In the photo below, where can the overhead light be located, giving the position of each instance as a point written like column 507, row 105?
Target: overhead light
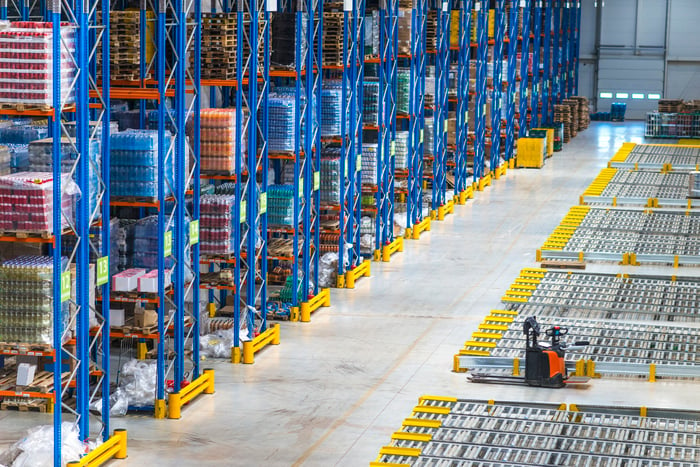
column 606, row 95
column 637, row 95
column 622, row 95
column 654, row 96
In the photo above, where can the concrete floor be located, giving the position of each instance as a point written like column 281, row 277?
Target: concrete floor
column 335, row 389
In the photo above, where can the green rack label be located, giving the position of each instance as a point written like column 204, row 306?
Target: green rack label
column 358, row 163
column 421, row 137
column 194, row 232
column 102, row 271
column 393, row 149
column 263, row 203
column 317, row 181
column 301, row 188
column 168, row 243
column 243, row 212
column 65, row 286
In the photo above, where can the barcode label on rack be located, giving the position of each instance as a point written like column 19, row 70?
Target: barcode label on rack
column 263, row 203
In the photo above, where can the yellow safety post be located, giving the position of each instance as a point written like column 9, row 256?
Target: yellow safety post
column 652, row 372
column 204, row 384
column 114, row 448
column 235, row 355
column 211, row 309
column 141, row 350
column 160, row 409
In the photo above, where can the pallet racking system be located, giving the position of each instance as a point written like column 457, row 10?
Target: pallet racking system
column 177, row 93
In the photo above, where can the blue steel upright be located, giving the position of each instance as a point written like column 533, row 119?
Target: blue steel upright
column 547, row 64
column 441, row 104
column 535, row 96
column 462, row 135
column 556, row 63
column 524, row 75
column 576, row 46
column 511, row 78
column 388, row 59
column 480, row 105
column 414, row 200
column 497, row 96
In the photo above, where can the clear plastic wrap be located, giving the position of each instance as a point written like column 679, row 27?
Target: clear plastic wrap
column 217, row 345
column 138, row 381
column 218, row 140
column 26, row 201
column 280, row 205
column 36, row 448
column 134, row 163
column 26, row 300
column 27, row 61
column 328, row 270
column 216, row 224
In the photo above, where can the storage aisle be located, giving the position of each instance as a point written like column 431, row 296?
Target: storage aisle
column 344, row 382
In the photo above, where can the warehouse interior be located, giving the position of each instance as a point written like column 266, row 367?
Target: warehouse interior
column 428, row 234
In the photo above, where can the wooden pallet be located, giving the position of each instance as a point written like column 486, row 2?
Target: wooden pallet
column 24, row 348
column 22, row 107
column 130, row 329
column 23, row 404
column 135, row 199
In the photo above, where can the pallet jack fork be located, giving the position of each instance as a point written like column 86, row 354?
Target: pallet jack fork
column 545, row 366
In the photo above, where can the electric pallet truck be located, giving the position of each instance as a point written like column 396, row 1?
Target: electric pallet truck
column 544, row 365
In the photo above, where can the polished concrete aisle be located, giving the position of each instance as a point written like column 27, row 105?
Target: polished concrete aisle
column 335, row 389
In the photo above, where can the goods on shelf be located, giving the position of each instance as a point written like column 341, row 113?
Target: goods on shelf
column 5, row 160
column 280, row 205
column 218, row 141
column 26, row 64
column 26, row 202
column 332, row 38
column 370, row 102
column 401, row 156
column 145, row 247
column 282, row 120
column 216, row 224
column 134, row 164
column 125, row 44
column 283, row 40
column 330, row 176
column 16, row 135
column 563, row 114
column 369, row 164
column 219, row 45
column 26, row 300
column 332, row 107
column 69, row 242
column 403, row 90
column 41, row 160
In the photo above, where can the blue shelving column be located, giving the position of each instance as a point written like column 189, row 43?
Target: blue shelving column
column 576, row 45
column 524, row 75
column 481, row 90
column 462, row 135
column 441, row 107
column 387, row 106
column 511, row 78
column 351, row 134
column 497, row 93
column 536, row 78
column 547, row 63
column 307, row 196
column 557, row 57
column 185, row 277
column 565, row 49
column 414, row 200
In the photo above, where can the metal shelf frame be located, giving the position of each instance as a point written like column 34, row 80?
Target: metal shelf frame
column 441, row 104
column 349, row 255
column 416, row 144
column 524, row 75
column 462, row 130
column 511, row 78
column 536, row 80
column 481, row 90
column 88, row 386
column 386, row 153
column 547, row 62
column 497, row 81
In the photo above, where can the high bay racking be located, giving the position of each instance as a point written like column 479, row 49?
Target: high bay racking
column 169, row 86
